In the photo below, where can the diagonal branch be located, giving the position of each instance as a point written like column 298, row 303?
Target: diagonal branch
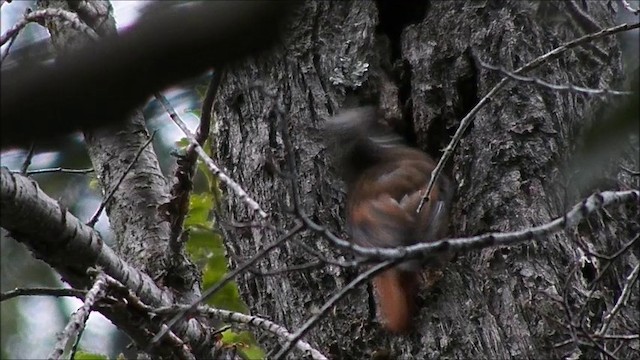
column 71, row 247
column 179, row 204
column 237, row 188
column 157, row 43
column 113, row 190
column 309, row 324
column 252, row 321
column 78, row 320
column 228, row 277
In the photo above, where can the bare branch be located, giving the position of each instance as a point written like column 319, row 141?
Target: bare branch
column 251, row 321
column 181, row 189
column 325, row 259
column 364, row 277
column 104, row 202
column 630, row 171
column 228, row 277
column 629, row 8
column 295, row 268
column 41, row 292
column 584, row 20
column 622, row 300
column 424, row 250
column 78, row 320
column 242, row 194
column 56, row 170
column 27, row 159
column 566, row 87
column 41, row 15
column 71, row 247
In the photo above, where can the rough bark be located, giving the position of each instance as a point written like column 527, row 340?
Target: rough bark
column 493, row 304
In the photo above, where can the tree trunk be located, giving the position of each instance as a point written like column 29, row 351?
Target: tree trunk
column 418, row 62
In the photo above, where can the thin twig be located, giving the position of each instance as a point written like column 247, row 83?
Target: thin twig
column 622, row 300
column 584, row 20
column 566, row 306
column 118, row 290
column 249, row 320
column 57, row 170
column 295, row 268
column 466, row 121
column 242, row 194
column 228, row 277
column 567, row 87
column 311, row 251
column 621, row 251
column 365, row 276
column 104, row 202
column 603, row 350
column 42, row 292
column 79, row 319
column 27, row 160
column 181, row 189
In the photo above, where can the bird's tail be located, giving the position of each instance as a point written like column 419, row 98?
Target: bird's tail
column 396, row 292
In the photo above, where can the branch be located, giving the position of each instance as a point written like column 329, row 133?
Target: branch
column 35, row 97
column 113, row 190
column 178, row 206
column 41, row 292
column 228, row 277
column 622, row 299
column 365, row 276
column 78, row 320
column 57, row 170
column 629, row 8
column 71, row 247
column 41, row 15
column 425, row 250
column 249, row 320
column 566, row 87
column 237, row 188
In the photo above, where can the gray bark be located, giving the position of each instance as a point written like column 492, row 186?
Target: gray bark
column 494, row 304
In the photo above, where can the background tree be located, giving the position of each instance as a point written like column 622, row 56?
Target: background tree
column 437, row 70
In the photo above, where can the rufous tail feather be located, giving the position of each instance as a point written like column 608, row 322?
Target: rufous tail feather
column 396, row 292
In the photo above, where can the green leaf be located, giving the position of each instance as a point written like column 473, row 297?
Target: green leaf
column 207, row 250
column 245, row 342
column 182, row 143
column 200, row 206
column 195, row 112
column 81, row 355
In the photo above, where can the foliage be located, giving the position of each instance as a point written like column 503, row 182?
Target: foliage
column 207, row 250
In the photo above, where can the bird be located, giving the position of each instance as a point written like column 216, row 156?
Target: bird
column 386, row 179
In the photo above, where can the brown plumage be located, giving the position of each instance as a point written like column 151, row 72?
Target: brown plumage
column 386, row 180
